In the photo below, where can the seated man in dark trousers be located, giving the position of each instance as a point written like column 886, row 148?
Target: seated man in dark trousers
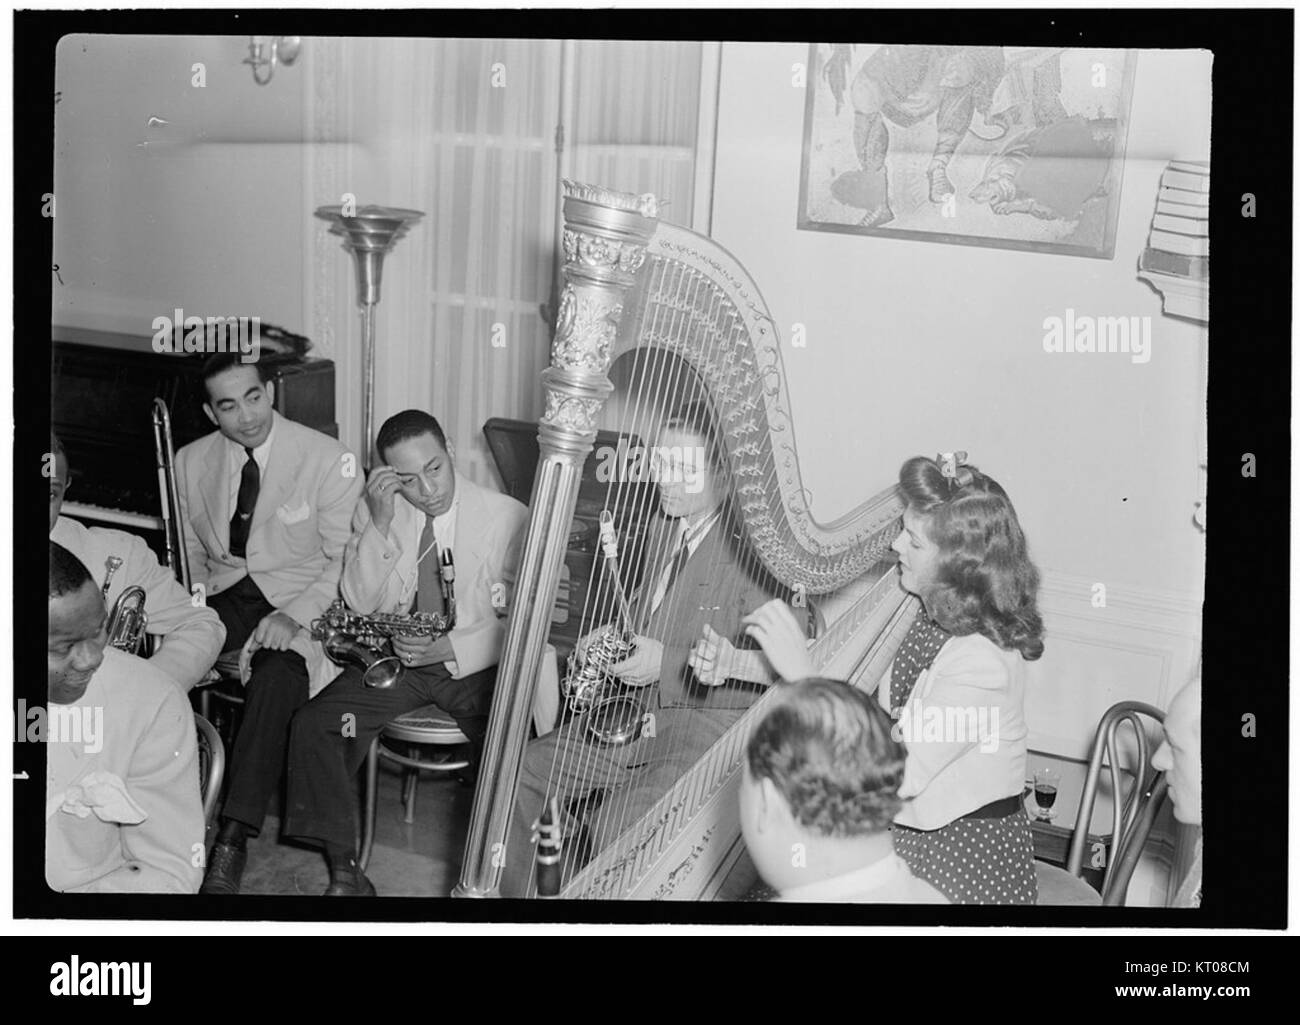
column 267, row 505
column 699, row 585
column 416, row 507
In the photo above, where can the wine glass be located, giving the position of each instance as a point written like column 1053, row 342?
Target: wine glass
column 1046, row 783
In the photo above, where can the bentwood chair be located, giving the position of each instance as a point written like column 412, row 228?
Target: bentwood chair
column 429, row 725
column 1134, row 810
column 212, row 766
column 224, row 685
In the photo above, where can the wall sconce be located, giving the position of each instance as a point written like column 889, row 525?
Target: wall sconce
column 284, row 50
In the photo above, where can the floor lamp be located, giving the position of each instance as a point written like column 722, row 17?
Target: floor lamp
column 369, row 233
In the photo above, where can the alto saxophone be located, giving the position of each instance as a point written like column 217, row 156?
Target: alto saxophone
column 128, row 620
column 610, row 713
column 350, row 638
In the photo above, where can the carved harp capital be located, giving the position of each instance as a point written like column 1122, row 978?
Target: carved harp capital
column 605, row 238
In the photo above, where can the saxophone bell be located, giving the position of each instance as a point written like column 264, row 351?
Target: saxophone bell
column 379, row 670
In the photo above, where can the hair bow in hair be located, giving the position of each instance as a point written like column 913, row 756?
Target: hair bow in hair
column 953, row 466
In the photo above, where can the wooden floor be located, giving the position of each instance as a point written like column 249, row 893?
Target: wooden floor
column 417, row 860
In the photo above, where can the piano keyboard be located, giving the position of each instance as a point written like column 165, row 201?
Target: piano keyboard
column 103, row 514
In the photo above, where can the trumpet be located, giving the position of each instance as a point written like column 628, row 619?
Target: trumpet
column 363, row 641
column 128, row 620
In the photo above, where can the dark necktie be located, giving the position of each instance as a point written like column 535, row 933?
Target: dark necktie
column 680, row 559
column 429, row 596
column 245, row 503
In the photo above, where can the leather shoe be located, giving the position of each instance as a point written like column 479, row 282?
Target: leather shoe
column 350, row 884
column 225, row 869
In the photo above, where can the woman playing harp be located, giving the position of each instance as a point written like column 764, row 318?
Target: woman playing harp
column 962, row 666
column 698, row 585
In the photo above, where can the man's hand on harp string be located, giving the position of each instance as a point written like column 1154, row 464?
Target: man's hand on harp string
column 716, row 660
column 644, row 666
column 781, row 636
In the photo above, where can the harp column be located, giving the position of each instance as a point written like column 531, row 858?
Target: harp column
column 605, row 237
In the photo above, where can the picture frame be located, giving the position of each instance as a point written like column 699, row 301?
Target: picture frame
column 1004, row 147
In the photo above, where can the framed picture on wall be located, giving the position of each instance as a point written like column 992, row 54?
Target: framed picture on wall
column 1008, row 147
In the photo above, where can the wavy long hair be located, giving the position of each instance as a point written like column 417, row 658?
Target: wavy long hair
column 985, row 582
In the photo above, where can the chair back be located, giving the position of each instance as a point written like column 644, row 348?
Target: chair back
column 212, row 765
column 1134, row 811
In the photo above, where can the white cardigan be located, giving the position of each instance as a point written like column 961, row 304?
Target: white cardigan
column 964, row 727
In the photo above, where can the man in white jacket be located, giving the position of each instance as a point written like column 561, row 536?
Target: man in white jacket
column 122, row 809
column 416, row 508
column 191, row 634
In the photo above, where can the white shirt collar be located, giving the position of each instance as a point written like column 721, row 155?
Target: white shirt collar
column 263, row 451
column 444, row 526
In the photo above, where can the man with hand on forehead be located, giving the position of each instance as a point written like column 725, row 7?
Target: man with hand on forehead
column 416, row 507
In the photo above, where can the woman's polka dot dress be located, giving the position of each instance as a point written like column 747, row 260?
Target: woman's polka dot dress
column 969, row 861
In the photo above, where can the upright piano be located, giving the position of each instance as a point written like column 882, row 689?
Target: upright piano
column 104, row 385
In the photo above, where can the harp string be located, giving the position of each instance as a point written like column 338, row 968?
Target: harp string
column 568, row 754
column 663, row 377
column 576, row 755
column 645, row 370
column 677, row 600
column 655, row 378
column 716, row 761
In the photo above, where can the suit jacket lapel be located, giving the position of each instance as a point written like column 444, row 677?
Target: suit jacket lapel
column 215, row 487
column 408, row 524
column 660, row 544
column 471, row 516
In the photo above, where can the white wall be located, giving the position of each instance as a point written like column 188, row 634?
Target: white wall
column 913, row 347
column 918, row 347
column 200, row 212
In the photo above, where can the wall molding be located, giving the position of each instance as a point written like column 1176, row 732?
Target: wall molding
column 1143, row 645
column 1070, row 595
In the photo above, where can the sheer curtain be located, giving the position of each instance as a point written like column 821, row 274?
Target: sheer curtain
column 464, row 130
column 637, row 112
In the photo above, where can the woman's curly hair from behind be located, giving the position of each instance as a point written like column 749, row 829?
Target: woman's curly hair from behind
column 985, row 582
column 829, row 751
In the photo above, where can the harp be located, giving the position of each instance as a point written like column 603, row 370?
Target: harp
column 673, row 318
